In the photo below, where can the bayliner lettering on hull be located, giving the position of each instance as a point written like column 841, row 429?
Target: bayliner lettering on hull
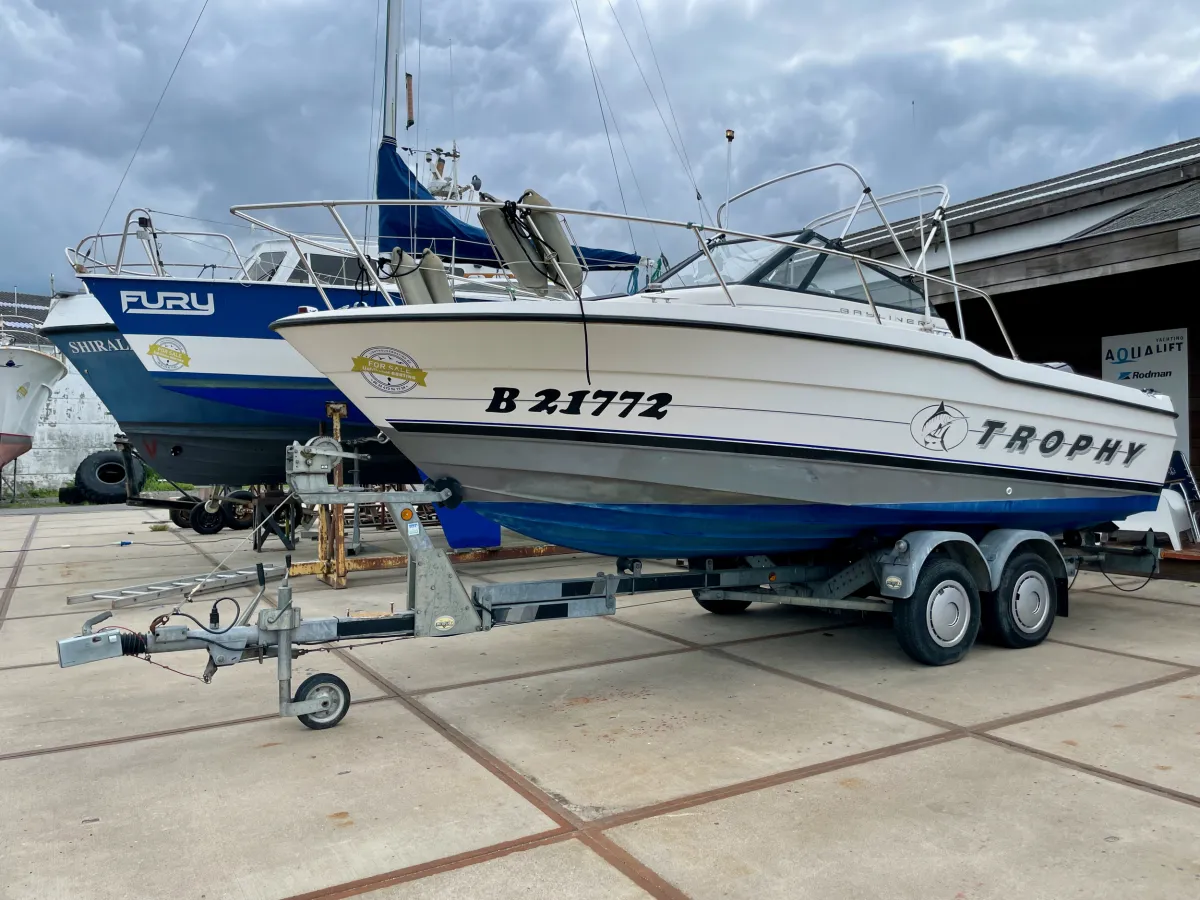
column 504, row 400
column 166, row 303
column 1025, row 437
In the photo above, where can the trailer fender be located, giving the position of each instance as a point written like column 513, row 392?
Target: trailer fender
column 999, row 546
column 898, row 568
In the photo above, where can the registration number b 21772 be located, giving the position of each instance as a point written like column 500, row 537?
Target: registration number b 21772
column 575, row 403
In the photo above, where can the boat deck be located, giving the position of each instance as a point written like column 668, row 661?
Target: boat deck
column 663, row 752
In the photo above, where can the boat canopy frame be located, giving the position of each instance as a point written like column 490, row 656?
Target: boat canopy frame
column 707, row 238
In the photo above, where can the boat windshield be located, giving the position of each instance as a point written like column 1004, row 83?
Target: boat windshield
column 264, row 266
column 736, row 260
column 800, row 269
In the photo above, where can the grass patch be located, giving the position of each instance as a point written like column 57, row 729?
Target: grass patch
column 161, row 526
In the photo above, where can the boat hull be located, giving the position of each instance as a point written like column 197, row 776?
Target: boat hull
column 713, row 432
column 188, row 439
column 27, row 378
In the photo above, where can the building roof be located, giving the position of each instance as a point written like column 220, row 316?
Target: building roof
column 24, row 306
column 1180, row 204
column 1162, row 167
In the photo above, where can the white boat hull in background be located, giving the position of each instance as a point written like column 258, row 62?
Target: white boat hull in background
column 27, row 378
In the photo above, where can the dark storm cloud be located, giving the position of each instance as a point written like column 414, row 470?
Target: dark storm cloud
column 273, row 102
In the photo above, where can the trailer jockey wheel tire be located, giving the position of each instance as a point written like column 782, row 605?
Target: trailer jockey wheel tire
column 238, row 516
column 182, row 518
column 204, row 522
column 722, row 607
column 1021, row 612
column 938, row 624
column 329, row 689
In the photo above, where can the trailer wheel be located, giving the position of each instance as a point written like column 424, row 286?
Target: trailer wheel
column 1021, row 612
column 938, row 624
column 722, row 607
column 238, row 516
column 204, row 522
column 334, row 697
column 182, row 518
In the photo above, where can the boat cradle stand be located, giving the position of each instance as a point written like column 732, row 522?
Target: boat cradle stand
column 437, row 604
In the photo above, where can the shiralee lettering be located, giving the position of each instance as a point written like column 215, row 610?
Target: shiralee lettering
column 107, row 346
column 1023, row 437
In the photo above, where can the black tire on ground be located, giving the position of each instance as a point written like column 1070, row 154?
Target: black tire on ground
column 181, row 517
column 238, row 516
column 722, row 607
column 101, row 477
column 204, row 522
column 1021, row 612
column 328, row 688
column 70, row 495
column 938, row 624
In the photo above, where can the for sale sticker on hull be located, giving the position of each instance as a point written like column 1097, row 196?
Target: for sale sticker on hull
column 389, row 370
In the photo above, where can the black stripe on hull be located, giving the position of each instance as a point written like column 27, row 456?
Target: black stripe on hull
column 782, row 451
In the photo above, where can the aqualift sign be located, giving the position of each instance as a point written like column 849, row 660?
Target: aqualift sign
column 166, row 303
column 1152, row 361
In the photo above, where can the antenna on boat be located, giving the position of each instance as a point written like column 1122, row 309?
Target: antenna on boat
column 728, row 171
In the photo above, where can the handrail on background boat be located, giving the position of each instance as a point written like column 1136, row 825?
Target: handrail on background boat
column 24, row 331
column 244, row 212
column 82, row 261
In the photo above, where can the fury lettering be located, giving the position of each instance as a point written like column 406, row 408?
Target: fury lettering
column 167, row 303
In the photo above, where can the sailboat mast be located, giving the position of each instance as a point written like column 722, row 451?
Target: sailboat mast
column 394, row 50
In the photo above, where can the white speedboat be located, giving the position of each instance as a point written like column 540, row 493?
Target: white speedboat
column 771, row 394
column 29, row 369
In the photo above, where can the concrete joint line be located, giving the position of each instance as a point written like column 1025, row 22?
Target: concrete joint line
column 14, row 574
column 1107, row 774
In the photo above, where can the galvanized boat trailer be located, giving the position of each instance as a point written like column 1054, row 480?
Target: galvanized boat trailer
column 940, row 587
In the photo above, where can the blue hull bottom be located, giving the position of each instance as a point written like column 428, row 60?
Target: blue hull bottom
column 655, row 531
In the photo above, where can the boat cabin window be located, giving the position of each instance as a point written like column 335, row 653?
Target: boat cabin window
column 264, row 266
column 330, row 269
column 814, row 272
column 798, row 269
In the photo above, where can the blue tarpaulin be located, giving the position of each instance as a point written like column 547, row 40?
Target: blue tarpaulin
column 413, row 228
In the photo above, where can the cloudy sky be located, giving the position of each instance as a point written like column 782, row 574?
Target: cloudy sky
column 278, row 100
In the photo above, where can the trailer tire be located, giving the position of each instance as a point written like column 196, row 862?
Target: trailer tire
column 204, row 522
column 324, row 686
column 101, row 477
column 722, row 607
column 1021, row 611
column 181, row 518
column 938, row 624
column 238, row 516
